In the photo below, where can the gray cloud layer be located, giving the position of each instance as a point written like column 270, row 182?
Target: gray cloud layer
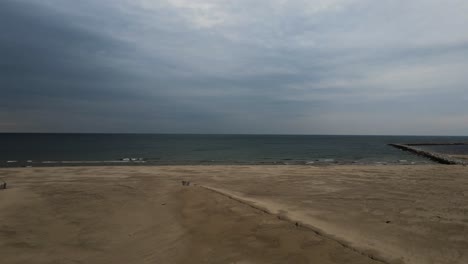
column 309, row 67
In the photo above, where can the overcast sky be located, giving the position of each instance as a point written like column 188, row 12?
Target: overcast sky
column 244, row 66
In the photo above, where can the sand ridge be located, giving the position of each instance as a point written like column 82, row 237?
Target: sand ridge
column 402, row 214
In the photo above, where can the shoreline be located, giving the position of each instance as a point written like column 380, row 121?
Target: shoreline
column 325, row 162
column 398, row 214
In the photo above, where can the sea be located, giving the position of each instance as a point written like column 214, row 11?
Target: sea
column 32, row 150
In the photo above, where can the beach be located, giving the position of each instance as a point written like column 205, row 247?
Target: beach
column 235, row 214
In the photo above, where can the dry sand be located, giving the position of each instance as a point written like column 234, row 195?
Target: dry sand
column 346, row 214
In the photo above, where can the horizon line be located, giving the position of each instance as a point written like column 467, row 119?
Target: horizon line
column 231, row 134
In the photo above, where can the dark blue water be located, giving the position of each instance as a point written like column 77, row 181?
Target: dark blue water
column 51, row 149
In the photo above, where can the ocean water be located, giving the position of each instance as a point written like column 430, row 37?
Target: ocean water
column 161, row 149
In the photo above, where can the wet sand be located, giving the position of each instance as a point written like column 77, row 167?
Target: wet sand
column 460, row 157
column 235, row 214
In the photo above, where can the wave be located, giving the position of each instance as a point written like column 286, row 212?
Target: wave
column 141, row 161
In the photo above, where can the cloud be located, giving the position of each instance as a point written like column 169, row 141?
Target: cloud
column 341, row 66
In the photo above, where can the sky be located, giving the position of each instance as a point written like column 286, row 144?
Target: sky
column 368, row 67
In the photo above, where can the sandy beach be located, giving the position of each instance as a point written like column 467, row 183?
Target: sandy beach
column 235, row 214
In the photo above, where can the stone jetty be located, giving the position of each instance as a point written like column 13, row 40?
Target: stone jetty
column 437, row 157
